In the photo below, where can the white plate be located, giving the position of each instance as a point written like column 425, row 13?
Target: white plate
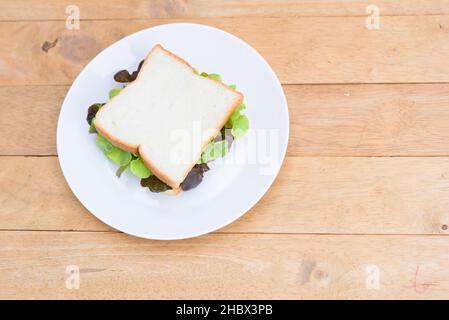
column 232, row 186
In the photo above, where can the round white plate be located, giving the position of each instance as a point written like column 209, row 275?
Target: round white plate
column 232, row 186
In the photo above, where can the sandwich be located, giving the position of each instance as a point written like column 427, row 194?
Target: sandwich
column 168, row 122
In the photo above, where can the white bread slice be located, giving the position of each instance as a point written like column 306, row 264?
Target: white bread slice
column 168, row 110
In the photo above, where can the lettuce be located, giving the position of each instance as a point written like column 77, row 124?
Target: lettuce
column 92, row 128
column 154, row 184
column 120, row 170
column 123, row 158
column 92, row 112
column 139, row 169
column 215, row 76
column 238, row 123
column 214, row 150
column 103, row 144
column 240, row 126
column 117, row 155
column 114, row 92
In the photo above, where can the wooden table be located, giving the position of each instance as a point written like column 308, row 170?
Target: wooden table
column 359, row 210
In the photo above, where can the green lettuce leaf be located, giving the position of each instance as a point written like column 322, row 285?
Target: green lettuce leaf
column 214, row 150
column 241, row 107
column 120, row 170
column 114, row 92
column 118, row 156
column 237, row 122
column 103, row 144
column 92, row 128
column 234, row 116
column 240, row 126
column 215, row 76
column 139, row 169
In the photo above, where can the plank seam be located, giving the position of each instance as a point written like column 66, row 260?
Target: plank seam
column 243, row 233
column 197, row 18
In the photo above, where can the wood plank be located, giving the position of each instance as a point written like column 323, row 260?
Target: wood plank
column 369, row 120
column 35, row 196
column 301, row 50
column 33, row 265
column 29, row 119
column 328, row 120
column 138, row 9
column 311, row 195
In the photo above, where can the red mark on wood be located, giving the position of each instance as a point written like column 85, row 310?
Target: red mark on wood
column 419, row 287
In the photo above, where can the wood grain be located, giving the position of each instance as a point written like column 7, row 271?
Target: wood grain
column 139, row 9
column 35, row 196
column 224, row 266
column 29, row 119
column 311, row 195
column 335, row 216
column 405, row 49
column 330, row 120
column 369, row 120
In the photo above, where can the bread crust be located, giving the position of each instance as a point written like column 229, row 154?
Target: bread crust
column 173, row 192
column 147, row 158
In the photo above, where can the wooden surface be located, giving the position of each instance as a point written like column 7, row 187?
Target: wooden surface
column 407, row 49
column 363, row 193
